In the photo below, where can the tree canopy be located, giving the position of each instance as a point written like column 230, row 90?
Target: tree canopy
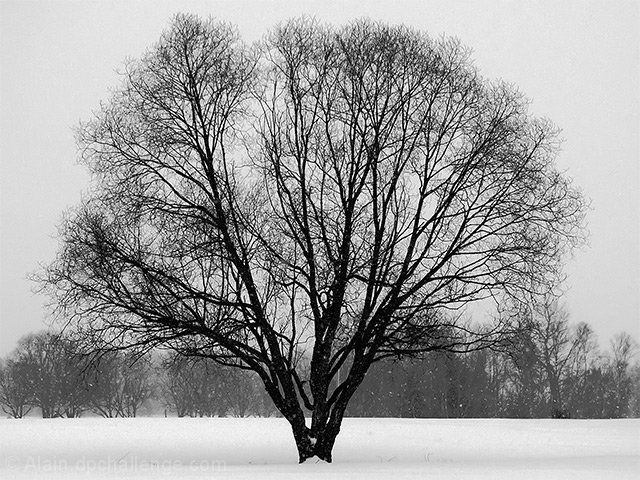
column 308, row 205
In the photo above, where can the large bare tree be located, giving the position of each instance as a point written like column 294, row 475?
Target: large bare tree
column 315, row 203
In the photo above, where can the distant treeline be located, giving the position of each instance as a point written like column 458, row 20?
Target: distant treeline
column 549, row 372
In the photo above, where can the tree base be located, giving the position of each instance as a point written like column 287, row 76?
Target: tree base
column 313, row 460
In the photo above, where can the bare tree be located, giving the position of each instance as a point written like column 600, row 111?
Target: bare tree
column 137, row 384
column 634, row 394
column 550, row 345
column 52, row 367
column 15, row 393
column 200, row 387
column 623, row 349
column 524, row 378
column 554, row 350
column 119, row 384
column 335, row 193
column 193, row 388
column 102, row 383
column 579, row 386
column 241, row 393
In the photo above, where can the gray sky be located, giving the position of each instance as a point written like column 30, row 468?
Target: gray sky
column 578, row 61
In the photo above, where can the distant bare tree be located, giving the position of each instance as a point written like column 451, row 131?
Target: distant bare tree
column 119, row 384
column 193, row 388
column 242, row 397
column 137, row 384
column 15, row 393
column 634, row 400
column 549, row 349
column 333, row 192
column 52, row 367
column 554, row 349
column 579, row 386
column 623, row 349
column 103, row 384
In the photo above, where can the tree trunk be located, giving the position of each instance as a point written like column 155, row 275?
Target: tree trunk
column 327, row 407
column 557, row 410
column 319, row 440
column 316, row 444
column 47, row 411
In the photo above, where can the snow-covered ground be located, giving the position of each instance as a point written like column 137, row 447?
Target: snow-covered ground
column 212, row 448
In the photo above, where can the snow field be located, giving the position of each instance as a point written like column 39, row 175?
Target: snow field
column 263, row 448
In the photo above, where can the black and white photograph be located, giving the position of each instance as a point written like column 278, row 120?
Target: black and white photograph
column 267, row 239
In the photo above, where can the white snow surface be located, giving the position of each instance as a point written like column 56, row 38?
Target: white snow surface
column 366, row 448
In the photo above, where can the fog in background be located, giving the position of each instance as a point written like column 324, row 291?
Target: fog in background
column 578, row 61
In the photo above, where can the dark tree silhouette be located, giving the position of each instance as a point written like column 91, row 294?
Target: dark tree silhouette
column 338, row 193
column 15, row 392
column 524, row 378
column 50, row 368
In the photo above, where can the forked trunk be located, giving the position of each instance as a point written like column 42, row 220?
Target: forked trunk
column 317, row 444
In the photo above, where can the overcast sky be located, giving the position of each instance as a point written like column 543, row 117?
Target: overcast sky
column 578, row 61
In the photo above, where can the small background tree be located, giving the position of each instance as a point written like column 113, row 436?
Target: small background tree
column 16, row 395
column 193, row 387
column 118, row 384
column 51, row 366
